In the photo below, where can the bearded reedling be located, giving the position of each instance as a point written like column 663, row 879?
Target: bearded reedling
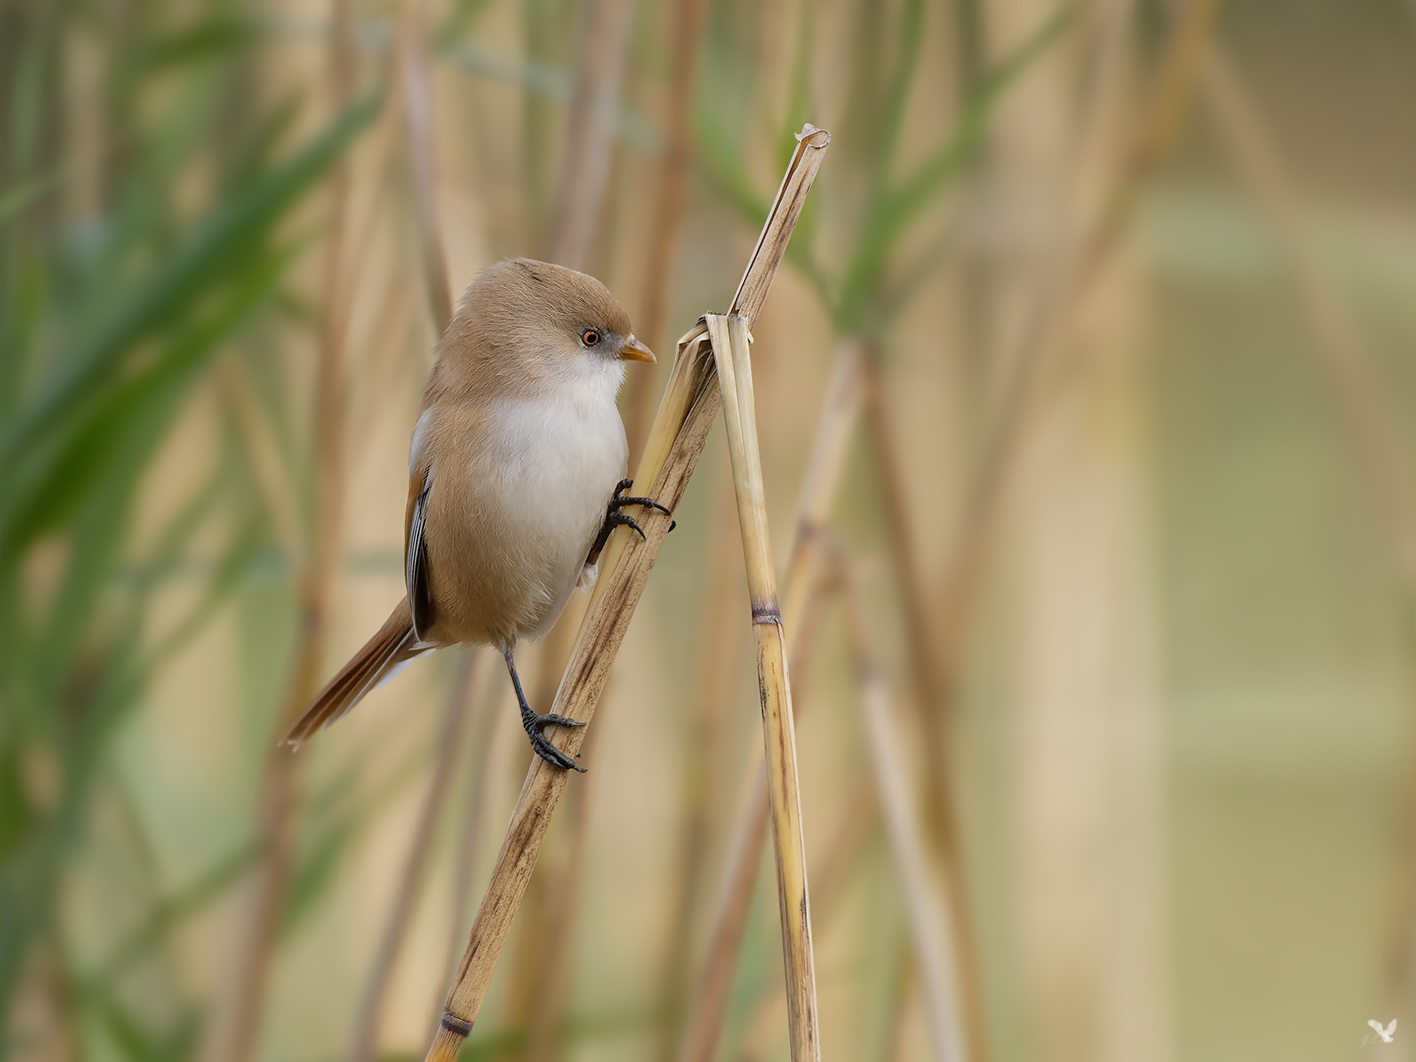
column 515, row 479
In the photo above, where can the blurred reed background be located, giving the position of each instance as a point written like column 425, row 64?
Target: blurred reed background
column 1089, row 366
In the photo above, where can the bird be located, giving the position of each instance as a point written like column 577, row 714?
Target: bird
column 515, row 480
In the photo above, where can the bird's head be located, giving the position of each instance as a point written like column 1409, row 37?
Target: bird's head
column 539, row 321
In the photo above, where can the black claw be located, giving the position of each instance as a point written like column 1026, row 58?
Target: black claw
column 672, row 524
column 552, row 755
column 543, row 721
column 633, row 499
column 615, row 518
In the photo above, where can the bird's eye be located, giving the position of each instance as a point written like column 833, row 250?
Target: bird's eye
column 590, row 337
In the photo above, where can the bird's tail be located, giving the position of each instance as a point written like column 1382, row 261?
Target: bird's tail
column 382, row 656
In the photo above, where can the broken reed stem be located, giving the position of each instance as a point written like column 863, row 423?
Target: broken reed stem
column 234, row 1033
column 834, row 425
column 1351, row 372
column 934, row 946
column 1049, row 328
column 400, row 912
column 668, row 213
column 731, row 352
column 685, row 416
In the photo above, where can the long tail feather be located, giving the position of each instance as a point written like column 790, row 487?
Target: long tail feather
column 388, row 650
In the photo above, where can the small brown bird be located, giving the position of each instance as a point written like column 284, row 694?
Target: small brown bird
column 514, row 479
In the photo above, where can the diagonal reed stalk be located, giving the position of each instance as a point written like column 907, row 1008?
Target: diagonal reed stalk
column 690, row 404
column 818, row 493
column 731, row 351
column 934, row 950
column 1351, row 371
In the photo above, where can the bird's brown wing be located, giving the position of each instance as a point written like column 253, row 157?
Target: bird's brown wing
column 415, row 552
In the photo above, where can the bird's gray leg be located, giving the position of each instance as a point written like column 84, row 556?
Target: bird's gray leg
column 535, row 724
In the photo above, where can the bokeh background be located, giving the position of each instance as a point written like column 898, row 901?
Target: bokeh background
column 1126, row 522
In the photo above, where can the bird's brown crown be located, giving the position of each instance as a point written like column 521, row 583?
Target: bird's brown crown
column 573, row 301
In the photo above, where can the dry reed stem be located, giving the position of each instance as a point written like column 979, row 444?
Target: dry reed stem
column 710, row 1001
column 447, row 747
column 716, row 668
column 486, row 740
column 256, row 437
column 843, row 850
column 731, row 352
column 904, row 557
column 686, row 413
column 818, row 493
column 931, row 702
column 1048, row 329
column 235, row 1031
column 1351, row 372
column 934, row 947
column 668, row 213
column 828, row 879
column 589, row 131
column 417, row 113
column 415, row 82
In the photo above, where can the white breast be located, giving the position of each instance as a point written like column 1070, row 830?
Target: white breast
column 559, row 458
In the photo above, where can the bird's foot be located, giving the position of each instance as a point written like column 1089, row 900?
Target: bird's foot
column 615, row 516
column 620, row 499
column 541, row 745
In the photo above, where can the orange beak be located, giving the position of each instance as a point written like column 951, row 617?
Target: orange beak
column 633, row 350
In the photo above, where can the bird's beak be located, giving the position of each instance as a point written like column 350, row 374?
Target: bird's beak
column 633, row 350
